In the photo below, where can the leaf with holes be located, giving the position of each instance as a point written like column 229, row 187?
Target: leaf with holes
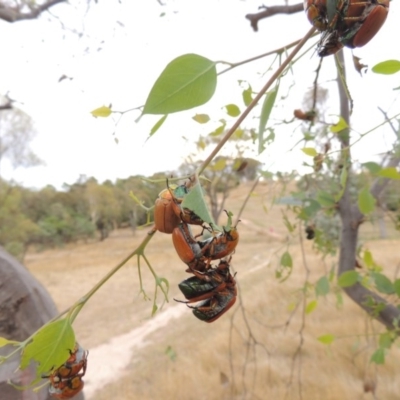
column 50, row 347
column 340, row 126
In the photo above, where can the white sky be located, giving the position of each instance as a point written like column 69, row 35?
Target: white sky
column 71, row 142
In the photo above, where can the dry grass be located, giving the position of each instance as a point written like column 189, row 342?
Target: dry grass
column 232, row 358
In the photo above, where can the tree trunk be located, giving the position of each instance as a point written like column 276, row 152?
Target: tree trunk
column 25, row 306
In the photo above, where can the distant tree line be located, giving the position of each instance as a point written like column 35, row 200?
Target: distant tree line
column 88, row 209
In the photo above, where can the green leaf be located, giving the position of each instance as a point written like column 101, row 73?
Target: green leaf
column 201, row 118
column 247, row 96
column 311, row 306
column 195, row 201
column 322, row 286
column 50, row 347
column 383, row 283
column 348, row 278
column 372, row 167
column 389, row 172
column 309, row 151
column 157, row 125
column 286, row 260
column 269, row 102
column 385, row 340
column 366, row 202
column 388, row 67
column 326, row 339
column 343, row 181
column 311, row 207
column 219, row 165
column 378, row 357
column 233, row 110
column 101, row 112
column 188, row 81
column 342, row 124
column 325, row 199
column 368, row 259
column 218, row 131
column 396, row 286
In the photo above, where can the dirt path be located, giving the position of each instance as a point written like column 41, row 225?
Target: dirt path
column 103, row 368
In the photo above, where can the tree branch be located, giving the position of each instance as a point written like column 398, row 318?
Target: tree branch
column 351, row 217
column 14, row 14
column 270, row 11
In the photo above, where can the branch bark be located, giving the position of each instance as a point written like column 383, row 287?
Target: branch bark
column 270, row 11
column 352, row 218
column 14, row 14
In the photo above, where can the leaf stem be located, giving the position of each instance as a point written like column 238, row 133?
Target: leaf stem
column 75, row 309
column 280, row 50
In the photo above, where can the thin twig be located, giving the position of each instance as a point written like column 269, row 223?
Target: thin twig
column 255, row 101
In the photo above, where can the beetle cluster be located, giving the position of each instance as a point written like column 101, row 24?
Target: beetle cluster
column 350, row 23
column 66, row 381
column 213, row 288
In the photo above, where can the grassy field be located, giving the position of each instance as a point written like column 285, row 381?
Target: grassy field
column 253, row 351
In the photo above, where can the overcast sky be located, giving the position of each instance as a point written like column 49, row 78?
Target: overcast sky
column 122, row 51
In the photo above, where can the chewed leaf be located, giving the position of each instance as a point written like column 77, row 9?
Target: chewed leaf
column 342, row 124
column 195, row 201
column 50, row 347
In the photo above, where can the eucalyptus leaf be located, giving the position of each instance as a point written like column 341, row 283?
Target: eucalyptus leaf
column 188, row 81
